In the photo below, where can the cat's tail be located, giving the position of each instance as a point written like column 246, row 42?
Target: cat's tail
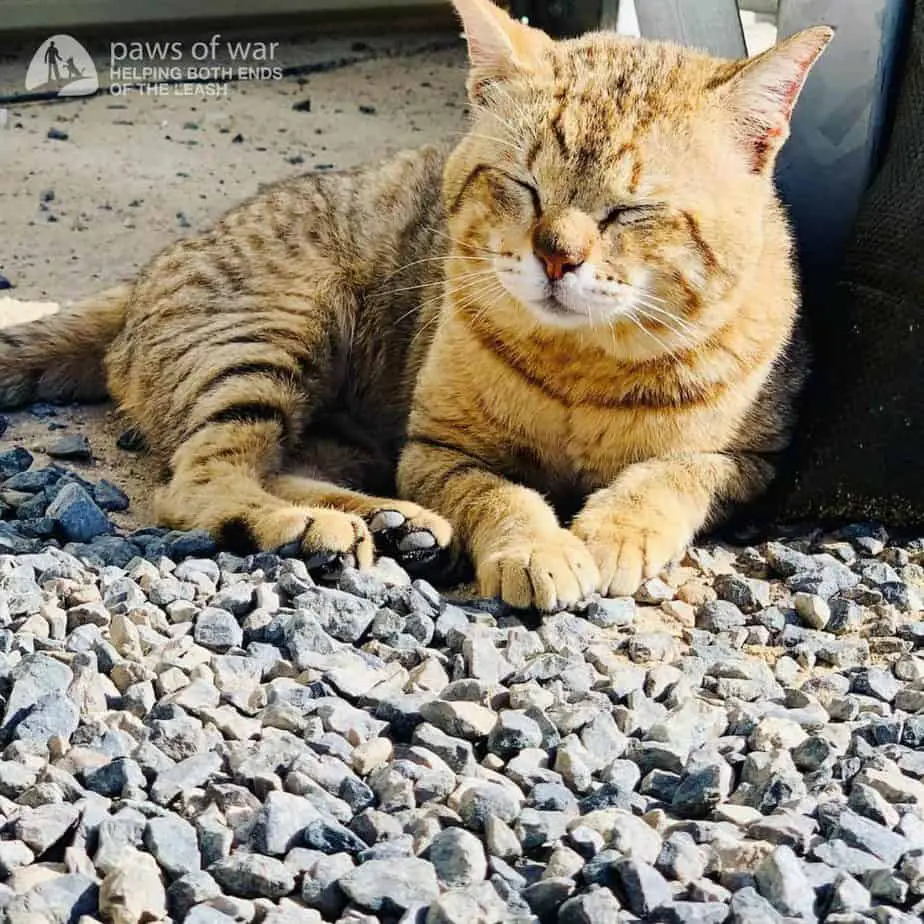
column 60, row 357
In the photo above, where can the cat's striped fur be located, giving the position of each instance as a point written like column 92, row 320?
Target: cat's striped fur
column 585, row 309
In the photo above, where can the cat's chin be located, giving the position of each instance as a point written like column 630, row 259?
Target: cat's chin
column 552, row 312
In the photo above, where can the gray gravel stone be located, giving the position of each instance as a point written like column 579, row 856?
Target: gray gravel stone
column 60, row 900
column 251, row 875
column 458, row 858
column 748, row 594
column 609, row 613
column 77, row 515
column 14, row 855
column 321, row 883
column 342, row 615
column 459, row 719
column 597, row 905
column 865, row 834
column 642, row 886
column 73, row 446
column 848, row 895
column 41, row 827
column 719, row 616
column 281, row 823
column 391, row 886
column 331, row 837
column 188, row 773
column 35, row 676
column 704, row 785
column 236, row 598
column 747, row 906
column 482, row 800
column 53, row 715
column 782, row 881
column 877, row 682
column 173, row 843
column 218, row 629
column 813, row 610
column 190, row 890
column 681, row 859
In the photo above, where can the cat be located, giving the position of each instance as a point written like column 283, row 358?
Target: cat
column 568, row 342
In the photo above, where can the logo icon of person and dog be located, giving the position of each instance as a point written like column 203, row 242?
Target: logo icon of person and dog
column 63, row 66
column 52, row 58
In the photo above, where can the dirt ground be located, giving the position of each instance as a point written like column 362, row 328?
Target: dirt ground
column 138, row 172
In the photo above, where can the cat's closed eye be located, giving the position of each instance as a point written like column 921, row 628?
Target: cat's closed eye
column 629, row 215
column 523, row 185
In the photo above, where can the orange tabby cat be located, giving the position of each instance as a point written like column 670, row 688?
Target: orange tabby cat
column 618, row 300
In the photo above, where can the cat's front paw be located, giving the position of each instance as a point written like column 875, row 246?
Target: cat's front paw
column 548, row 571
column 628, row 549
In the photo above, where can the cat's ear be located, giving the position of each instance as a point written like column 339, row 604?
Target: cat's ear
column 498, row 47
column 763, row 93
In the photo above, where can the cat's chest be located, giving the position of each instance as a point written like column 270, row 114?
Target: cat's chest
column 588, row 446
column 573, row 424
column 561, row 446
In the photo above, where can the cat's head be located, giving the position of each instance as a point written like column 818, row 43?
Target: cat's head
column 608, row 182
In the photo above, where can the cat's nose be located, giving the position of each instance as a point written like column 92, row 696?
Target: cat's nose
column 556, row 263
column 558, row 244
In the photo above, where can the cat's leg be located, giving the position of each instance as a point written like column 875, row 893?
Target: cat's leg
column 652, row 511
column 218, row 483
column 401, row 529
column 520, row 551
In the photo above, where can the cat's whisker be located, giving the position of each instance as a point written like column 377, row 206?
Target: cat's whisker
column 438, row 282
column 611, row 324
column 468, row 299
column 474, row 248
column 440, row 259
column 658, row 308
column 423, row 328
column 463, row 288
column 499, row 293
column 635, row 320
column 650, row 296
column 663, row 320
column 668, row 319
column 416, row 309
column 681, row 343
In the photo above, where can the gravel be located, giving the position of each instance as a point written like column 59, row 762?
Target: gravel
column 193, row 736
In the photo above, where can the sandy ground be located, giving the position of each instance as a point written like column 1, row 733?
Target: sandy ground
column 137, row 173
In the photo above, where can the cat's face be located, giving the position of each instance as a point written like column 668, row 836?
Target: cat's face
column 610, row 183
